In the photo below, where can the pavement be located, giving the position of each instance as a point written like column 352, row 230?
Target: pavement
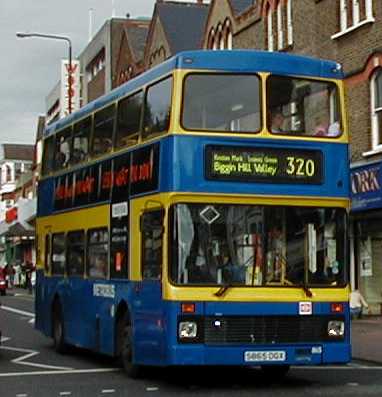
column 367, row 339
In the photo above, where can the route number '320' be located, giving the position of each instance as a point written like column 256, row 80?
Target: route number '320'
column 300, row 167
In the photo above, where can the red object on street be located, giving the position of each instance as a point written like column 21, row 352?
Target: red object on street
column 11, row 215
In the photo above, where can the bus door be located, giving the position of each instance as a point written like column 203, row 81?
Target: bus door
column 148, row 324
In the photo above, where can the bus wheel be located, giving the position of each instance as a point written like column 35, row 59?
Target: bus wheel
column 275, row 372
column 132, row 370
column 58, row 330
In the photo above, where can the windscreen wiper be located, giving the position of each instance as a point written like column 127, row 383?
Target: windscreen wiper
column 223, row 289
column 307, row 291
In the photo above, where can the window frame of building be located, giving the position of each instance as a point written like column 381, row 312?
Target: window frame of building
column 280, row 31
column 350, row 17
column 375, row 111
column 269, row 28
column 289, row 22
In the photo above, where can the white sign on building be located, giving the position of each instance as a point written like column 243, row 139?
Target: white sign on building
column 69, row 86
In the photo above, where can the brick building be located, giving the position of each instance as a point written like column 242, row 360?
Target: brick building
column 349, row 31
column 174, row 27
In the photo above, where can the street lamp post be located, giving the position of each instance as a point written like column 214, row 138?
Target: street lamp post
column 56, row 37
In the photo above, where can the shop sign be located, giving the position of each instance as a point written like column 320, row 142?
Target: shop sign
column 366, row 187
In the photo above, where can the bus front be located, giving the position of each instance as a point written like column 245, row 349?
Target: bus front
column 255, row 270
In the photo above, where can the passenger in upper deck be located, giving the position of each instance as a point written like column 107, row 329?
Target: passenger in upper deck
column 277, row 121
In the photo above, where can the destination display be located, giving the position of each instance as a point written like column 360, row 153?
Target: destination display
column 260, row 164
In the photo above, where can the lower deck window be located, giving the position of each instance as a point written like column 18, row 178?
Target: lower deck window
column 98, row 252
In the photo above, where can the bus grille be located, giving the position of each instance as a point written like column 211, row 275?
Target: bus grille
column 267, row 329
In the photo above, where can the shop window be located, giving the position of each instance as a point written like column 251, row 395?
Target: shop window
column 58, row 254
column 98, row 253
column 76, row 253
column 152, row 231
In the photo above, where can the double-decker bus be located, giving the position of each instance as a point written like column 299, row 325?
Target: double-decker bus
column 197, row 215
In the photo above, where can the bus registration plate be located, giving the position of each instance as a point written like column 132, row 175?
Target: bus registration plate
column 254, row 356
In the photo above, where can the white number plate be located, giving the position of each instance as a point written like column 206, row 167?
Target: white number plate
column 254, row 356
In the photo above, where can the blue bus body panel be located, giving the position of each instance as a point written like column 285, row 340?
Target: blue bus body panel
column 188, row 175
column 156, row 324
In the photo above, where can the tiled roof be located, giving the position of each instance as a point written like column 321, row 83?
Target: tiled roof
column 239, row 6
column 137, row 35
column 183, row 24
column 13, row 151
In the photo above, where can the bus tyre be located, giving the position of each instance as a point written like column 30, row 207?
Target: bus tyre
column 275, row 372
column 58, row 331
column 132, row 370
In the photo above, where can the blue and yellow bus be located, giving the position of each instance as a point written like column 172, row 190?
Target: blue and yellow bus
column 197, row 215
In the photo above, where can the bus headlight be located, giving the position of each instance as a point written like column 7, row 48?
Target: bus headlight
column 336, row 328
column 187, row 329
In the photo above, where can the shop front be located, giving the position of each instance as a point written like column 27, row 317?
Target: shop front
column 366, row 236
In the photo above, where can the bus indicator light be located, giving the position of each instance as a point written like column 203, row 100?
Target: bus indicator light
column 337, row 308
column 188, row 307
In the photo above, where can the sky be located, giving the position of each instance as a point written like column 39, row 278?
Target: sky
column 30, row 67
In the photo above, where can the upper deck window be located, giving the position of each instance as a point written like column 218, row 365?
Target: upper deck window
column 81, row 136
column 222, row 102
column 129, row 120
column 157, row 109
column 303, row 107
column 62, row 150
column 103, row 131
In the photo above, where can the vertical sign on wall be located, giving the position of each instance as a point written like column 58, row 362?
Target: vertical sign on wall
column 70, row 82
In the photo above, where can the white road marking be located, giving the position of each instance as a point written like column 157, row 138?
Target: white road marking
column 108, row 391
column 31, row 321
column 4, row 339
column 30, row 353
column 17, row 311
column 152, row 388
column 65, row 372
column 21, row 395
column 65, row 393
column 338, row 367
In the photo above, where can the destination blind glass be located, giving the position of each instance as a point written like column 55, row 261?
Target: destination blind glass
column 261, row 164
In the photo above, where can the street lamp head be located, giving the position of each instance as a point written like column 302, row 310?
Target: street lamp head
column 22, row 35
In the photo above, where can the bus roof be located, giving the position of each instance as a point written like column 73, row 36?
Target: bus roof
column 240, row 61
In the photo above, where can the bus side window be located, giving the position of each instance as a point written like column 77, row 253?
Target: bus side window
column 152, row 241
column 47, row 256
column 81, row 135
column 98, row 253
column 76, row 253
column 48, row 155
column 157, row 109
column 58, row 254
column 62, row 149
column 129, row 120
column 104, row 121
